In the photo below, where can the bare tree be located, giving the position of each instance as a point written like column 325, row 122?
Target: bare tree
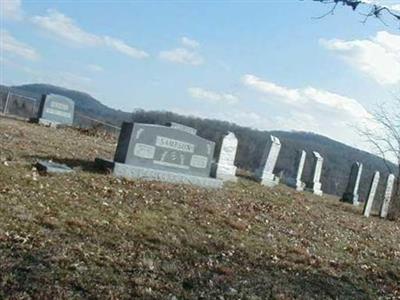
column 373, row 10
column 384, row 134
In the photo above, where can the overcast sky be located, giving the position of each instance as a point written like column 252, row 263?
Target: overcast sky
column 263, row 64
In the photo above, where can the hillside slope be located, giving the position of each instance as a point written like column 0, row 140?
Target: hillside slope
column 338, row 157
column 85, row 103
column 90, row 235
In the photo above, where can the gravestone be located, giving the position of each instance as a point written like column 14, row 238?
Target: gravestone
column 52, row 167
column 226, row 169
column 351, row 194
column 155, row 152
column 20, row 106
column 388, row 196
column 316, row 182
column 265, row 172
column 371, row 194
column 183, row 128
column 301, row 158
column 56, row 110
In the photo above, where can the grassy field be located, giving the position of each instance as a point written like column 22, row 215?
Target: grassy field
column 90, row 235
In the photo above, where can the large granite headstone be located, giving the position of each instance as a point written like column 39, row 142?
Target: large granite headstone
column 388, row 196
column 316, row 182
column 371, row 194
column 56, row 110
column 163, row 153
column 226, row 169
column 351, row 194
column 265, row 172
column 301, row 158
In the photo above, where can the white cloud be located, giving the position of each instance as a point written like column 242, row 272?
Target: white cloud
column 65, row 28
column 122, row 47
column 14, row 47
column 182, row 56
column 288, row 95
column 316, row 100
column 211, row 96
column 396, row 7
column 378, row 57
column 95, row 68
column 68, row 31
column 11, row 9
column 337, row 102
column 190, row 43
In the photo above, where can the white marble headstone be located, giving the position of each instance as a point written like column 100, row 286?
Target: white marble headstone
column 316, row 183
column 371, row 194
column 300, row 167
column 268, row 178
column 226, row 169
column 388, row 196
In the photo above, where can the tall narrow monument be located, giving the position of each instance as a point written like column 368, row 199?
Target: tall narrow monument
column 316, row 181
column 388, row 196
column 226, row 169
column 351, row 194
column 371, row 194
column 301, row 158
column 265, row 172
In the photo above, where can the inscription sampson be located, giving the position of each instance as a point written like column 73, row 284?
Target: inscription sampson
column 174, row 144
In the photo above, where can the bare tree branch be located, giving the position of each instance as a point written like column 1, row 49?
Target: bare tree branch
column 385, row 137
column 376, row 11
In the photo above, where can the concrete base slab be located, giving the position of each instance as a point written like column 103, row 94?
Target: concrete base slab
column 270, row 183
column 133, row 172
column 45, row 122
column 52, row 167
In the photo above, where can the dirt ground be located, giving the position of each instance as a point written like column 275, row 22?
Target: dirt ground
column 89, row 235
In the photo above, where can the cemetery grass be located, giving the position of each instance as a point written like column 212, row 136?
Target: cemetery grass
column 89, row 235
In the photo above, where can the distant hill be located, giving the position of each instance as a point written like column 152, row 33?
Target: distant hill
column 85, row 104
column 338, row 157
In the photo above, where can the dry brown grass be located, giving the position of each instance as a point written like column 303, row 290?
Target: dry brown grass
column 89, row 235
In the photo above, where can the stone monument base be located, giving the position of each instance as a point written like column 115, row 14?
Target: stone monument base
column 316, row 189
column 300, row 186
column 133, row 172
column 45, row 122
column 350, row 198
column 226, row 173
column 318, row 192
column 269, row 180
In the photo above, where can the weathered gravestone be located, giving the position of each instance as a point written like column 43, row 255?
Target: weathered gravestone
column 19, row 105
column 316, row 181
column 301, row 158
column 388, row 196
column 155, row 152
column 226, row 169
column 371, row 194
column 351, row 194
column 56, row 110
column 265, row 172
